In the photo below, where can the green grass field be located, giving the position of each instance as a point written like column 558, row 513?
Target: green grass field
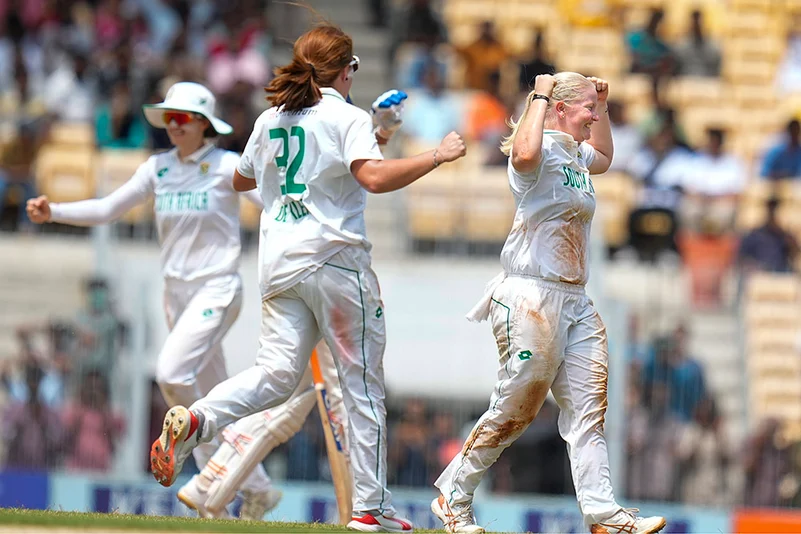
column 82, row 522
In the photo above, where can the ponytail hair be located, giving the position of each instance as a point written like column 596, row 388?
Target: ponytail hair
column 318, row 57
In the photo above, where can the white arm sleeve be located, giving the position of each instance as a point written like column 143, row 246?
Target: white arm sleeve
column 254, row 196
column 104, row 210
column 359, row 142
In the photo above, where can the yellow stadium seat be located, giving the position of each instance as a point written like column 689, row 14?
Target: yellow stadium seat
column 691, row 90
column 433, row 206
column 615, row 194
column 489, row 206
column 774, row 287
column 114, row 168
column 784, row 314
column 72, row 134
column 66, row 174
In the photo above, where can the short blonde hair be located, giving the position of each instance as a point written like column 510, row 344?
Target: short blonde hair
column 569, row 87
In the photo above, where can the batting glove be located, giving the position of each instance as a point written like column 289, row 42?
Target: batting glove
column 386, row 111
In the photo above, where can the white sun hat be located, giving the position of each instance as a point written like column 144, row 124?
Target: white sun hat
column 191, row 97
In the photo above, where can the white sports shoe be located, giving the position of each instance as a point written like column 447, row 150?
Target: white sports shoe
column 375, row 521
column 194, row 498
column 626, row 521
column 458, row 519
column 257, row 503
column 179, row 435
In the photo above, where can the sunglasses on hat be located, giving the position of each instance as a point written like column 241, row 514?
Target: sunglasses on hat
column 180, row 117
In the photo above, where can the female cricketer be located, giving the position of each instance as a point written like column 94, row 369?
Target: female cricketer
column 548, row 334
column 313, row 156
column 197, row 217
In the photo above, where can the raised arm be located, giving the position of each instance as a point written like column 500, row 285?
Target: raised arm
column 95, row 211
column 527, row 147
column 383, row 176
column 601, row 139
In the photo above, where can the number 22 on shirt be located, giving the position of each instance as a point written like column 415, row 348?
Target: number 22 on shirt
column 289, row 187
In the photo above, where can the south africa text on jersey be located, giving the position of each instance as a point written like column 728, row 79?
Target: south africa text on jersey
column 295, row 209
column 182, row 201
column 577, row 179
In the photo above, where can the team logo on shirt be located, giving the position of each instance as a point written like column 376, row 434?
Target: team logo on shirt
column 162, row 172
column 204, row 168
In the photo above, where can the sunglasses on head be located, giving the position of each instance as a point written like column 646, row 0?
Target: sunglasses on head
column 354, row 63
column 180, row 117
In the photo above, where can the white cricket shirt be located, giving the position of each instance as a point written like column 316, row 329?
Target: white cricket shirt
column 555, row 205
column 196, row 206
column 313, row 205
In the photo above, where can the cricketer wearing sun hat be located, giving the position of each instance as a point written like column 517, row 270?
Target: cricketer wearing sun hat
column 191, row 97
column 196, row 213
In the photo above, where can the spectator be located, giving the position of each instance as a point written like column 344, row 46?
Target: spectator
column 483, row 57
column 649, row 53
column 109, row 24
column 713, row 185
column 444, row 443
column 768, row 248
column 412, row 76
column 697, row 55
column 408, row 449
column 417, row 23
column 627, row 137
column 100, row 333
column 92, row 426
column 784, row 160
column 487, row 114
column 16, row 170
column 51, row 386
column 538, row 63
column 687, row 384
column 119, row 124
column 434, row 113
column 70, row 94
column 766, row 463
column 661, row 165
column 788, row 78
column 653, row 436
column 32, row 431
column 704, row 457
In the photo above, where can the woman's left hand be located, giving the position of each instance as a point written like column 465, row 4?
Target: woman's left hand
column 602, row 87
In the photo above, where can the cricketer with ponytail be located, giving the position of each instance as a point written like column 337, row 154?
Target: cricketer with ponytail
column 247, row 444
column 548, row 334
column 313, row 158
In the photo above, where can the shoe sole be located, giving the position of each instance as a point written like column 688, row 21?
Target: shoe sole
column 162, row 453
column 662, row 525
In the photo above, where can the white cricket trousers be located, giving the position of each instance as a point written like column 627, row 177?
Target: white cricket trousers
column 340, row 303
column 549, row 336
column 191, row 362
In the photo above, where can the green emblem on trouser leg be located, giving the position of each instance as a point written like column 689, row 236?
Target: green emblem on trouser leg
column 524, row 355
column 208, row 312
column 379, row 312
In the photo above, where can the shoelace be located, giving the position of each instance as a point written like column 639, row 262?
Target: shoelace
column 467, row 510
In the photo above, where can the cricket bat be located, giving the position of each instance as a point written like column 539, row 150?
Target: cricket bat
column 337, row 454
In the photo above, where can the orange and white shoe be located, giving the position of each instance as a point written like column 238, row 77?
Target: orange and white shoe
column 375, row 521
column 194, row 497
column 457, row 518
column 179, row 436
column 626, row 521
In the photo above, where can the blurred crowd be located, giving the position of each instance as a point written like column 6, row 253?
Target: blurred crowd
column 688, row 196
column 57, row 402
column 98, row 61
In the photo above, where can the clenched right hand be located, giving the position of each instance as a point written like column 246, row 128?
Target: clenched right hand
column 544, row 84
column 38, row 210
column 451, row 148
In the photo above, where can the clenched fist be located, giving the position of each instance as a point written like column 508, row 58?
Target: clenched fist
column 544, row 84
column 38, row 210
column 601, row 87
column 451, row 148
